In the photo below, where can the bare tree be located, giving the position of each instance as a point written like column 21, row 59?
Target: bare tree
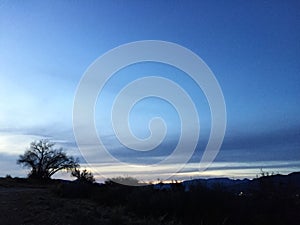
column 44, row 160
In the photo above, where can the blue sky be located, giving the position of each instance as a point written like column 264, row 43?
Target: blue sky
column 252, row 47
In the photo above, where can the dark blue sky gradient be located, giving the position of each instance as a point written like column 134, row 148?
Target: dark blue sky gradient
column 252, row 47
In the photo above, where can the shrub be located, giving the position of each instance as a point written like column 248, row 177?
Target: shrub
column 83, row 176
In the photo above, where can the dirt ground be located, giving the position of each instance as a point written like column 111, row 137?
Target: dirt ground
column 25, row 205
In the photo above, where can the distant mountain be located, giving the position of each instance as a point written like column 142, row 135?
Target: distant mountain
column 288, row 184
column 216, row 183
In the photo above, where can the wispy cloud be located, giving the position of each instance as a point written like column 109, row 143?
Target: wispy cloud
column 9, row 166
column 190, row 171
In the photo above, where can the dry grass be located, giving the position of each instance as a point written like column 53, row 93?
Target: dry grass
column 24, row 203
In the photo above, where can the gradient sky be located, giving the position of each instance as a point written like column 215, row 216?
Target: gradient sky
column 253, row 48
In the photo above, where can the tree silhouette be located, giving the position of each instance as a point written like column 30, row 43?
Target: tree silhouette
column 83, row 176
column 44, row 160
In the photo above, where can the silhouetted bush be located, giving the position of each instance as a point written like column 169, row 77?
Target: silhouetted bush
column 83, row 176
column 263, row 204
column 129, row 181
column 74, row 189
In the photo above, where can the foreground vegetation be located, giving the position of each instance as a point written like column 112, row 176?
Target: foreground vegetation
column 41, row 200
column 66, row 202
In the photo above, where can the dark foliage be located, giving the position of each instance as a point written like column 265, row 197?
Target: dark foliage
column 83, row 176
column 74, row 189
column 265, row 202
column 44, row 160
